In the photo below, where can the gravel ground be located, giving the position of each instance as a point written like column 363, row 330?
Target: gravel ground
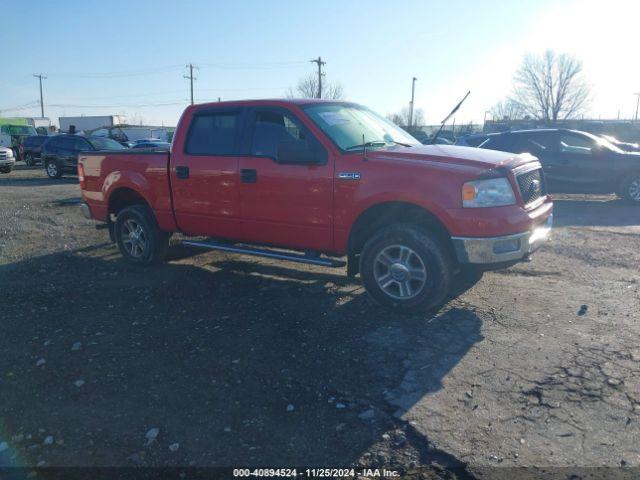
column 237, row 361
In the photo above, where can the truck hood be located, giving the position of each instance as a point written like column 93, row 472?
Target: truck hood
column 473, row 159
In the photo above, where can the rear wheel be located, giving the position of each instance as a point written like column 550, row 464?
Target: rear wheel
column 53, row 169
column 406, row 268
column 139, row 239
column 630, row 189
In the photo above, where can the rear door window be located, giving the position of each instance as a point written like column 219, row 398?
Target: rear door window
column 503, row 143
column 572, row 143
column 80, row 145
column 214, row 134
column 540, row 144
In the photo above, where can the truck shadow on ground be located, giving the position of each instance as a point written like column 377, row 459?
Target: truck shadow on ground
column 608, row 212
column 8, row 181
column 249, row 364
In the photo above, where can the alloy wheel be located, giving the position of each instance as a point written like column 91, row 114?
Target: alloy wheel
column 134, row 238
column 52, row 169
column 400, row 272
column 634, row 190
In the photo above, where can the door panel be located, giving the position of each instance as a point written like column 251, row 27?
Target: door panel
column 205, row 178
column 206, row 199
column 284, row 204
column 287, row 205
column 579, row 164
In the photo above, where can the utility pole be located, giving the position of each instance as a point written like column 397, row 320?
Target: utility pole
column 320, row 63
column 484, row 121
column 191, row 78
column 42, row 77
column 413, row 91
column 637, row 104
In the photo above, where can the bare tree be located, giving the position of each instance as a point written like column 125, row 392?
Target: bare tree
column 307, row 87
column 401, row 118
column 507, row 110
column 551, row 87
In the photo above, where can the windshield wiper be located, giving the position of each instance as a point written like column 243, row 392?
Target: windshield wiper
column 401, row 143
column 367, row 144
column 377, row 143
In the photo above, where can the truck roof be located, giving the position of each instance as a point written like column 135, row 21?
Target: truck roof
column 283, row 101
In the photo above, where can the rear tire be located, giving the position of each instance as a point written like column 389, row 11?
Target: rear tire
column 630, row 189
column 138, row 237
column 406, row 268
column 53, row 169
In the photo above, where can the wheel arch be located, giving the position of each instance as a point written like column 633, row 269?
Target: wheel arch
column 388, row 213
column 123, row 197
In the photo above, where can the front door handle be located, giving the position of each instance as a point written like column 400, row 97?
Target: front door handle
column 182, row 172
column 248, row 175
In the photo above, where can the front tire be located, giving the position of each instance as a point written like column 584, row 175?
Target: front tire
column 630, row 189
column 29, row 161
column 53, row 169
column 138, row 237
column 406, row 268
column 6, row 169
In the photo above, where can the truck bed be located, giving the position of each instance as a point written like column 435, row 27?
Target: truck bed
column 144, row 173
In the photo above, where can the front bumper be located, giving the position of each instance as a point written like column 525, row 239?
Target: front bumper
column 504, row 249
column 6, row 162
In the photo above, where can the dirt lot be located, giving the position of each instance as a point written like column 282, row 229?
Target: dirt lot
column 239, row 361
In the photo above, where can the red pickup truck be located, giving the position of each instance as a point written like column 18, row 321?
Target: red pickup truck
column 314, row 181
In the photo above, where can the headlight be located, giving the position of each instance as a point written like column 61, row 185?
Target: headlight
column 494, row 192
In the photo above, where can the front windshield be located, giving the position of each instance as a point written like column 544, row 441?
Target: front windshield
column 100, row 143
column 603, row 142
column 22, row 130
column 347, row 124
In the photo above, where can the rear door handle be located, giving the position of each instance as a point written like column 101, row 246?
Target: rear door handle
column 248, row 175
column 182, row 172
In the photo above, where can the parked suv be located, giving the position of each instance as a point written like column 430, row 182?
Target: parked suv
column 575, row 161
column 6, row 160
column 32, row 148
column 60, row 153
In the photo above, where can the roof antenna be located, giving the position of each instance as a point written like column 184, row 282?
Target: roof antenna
column 433, row 140
column 364, row 149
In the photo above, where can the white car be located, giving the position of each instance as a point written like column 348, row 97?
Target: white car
column 6, row 160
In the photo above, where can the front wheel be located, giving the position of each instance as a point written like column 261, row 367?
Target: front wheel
column 406, row 268
column 139, row 239
column 630, row 189
column 6, row 169
column 29, row 160
column 53, row 169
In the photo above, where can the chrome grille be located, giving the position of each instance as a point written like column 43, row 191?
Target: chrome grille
column 3, row 155
column 531, row 185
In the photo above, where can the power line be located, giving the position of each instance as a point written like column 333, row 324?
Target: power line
column 252, row 66
column 140, row 105
column 169, row 68
column 191, row 78
column 41, row 77
column 131, row 73
column 25, row 106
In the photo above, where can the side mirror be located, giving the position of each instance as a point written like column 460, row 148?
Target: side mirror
column 298, row 152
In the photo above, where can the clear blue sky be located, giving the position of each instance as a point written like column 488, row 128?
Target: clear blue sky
column 126, row 55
